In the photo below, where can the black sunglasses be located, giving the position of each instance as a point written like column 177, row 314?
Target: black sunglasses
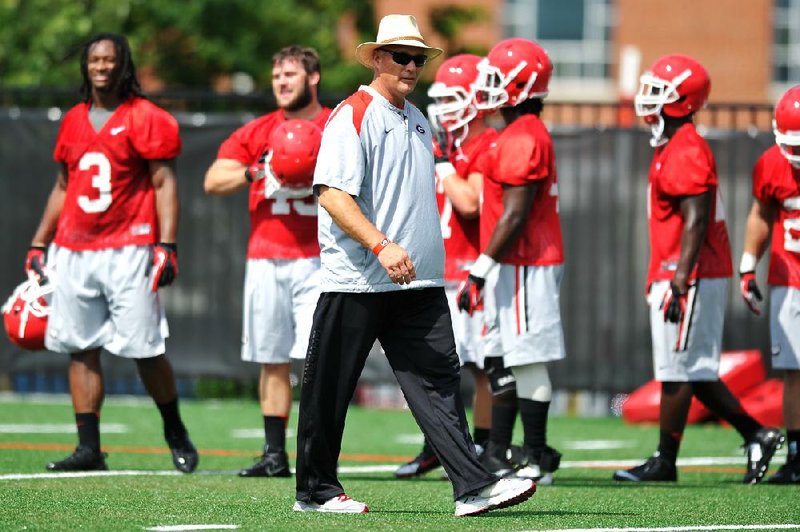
column 403, row 58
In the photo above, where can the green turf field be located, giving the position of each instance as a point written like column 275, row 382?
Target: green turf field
column 708, row 495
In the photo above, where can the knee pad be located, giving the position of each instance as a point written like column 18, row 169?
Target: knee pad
column 501, row 380
column 533, row 382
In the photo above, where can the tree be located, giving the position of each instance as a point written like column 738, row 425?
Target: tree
column 449, row 20
column 185, row 44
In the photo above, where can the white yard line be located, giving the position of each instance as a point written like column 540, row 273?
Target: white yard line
column 57, row 428
column 65, row 399
column 85, row 474
column 172, row 473
column 374, row 468
column 257, row 434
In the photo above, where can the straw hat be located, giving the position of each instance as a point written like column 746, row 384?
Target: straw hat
column 395, row 29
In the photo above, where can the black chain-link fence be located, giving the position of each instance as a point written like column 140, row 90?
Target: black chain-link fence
column 603, row 180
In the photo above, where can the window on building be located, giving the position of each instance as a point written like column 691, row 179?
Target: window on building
column 786, row 37
column 576, row 33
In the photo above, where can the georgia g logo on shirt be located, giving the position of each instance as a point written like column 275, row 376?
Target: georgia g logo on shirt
column 420, row 130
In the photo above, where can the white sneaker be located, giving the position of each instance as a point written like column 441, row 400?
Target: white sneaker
column 341, row 504
column 502, row 494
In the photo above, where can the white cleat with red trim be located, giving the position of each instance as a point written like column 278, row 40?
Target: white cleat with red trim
column 341, row 504
column 502, row 494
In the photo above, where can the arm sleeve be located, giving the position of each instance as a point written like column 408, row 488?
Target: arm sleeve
column 687, row 173
column 341, row 162
column 156, row 134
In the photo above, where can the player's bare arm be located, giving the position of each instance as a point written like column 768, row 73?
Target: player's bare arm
column 165, row 184
column 465, row 194
column 695, row 211
column 345, row 212
column 225, row 176
column 517, row 202
column 758, row 229
column 55, row 202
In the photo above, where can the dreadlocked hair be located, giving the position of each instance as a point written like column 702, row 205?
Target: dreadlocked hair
column 128, row 84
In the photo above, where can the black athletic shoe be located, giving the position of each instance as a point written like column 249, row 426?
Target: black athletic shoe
column 789, row 473
column 539, row 465
column 517, row 456
column 495, row 459
column 655, row 469
column 760, row 451
column 184, row 454
column 83, row 459
column 424, row 462
column 271, row 464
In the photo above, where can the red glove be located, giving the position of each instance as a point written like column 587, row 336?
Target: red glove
column 165, row 264
column 34, row 261
column 674, row 304
column 750, row 292
column 470, row 294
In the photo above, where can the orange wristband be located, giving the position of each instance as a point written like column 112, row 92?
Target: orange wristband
column 380, row 245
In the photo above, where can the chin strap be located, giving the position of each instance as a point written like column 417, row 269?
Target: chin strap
column 657, row 131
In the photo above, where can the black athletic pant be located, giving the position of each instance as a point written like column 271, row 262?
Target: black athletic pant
column 415, row 330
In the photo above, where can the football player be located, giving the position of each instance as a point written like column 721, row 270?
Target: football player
column 112, row 220
column 465, row 139
column 776, row 210
column 282, row 273
column 520, row 266
column 690, row 263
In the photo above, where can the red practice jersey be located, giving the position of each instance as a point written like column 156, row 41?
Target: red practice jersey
column 685, row 166
column 279, row 228
column 523, row 153
column 462, row 235
column 110, row 199
column 777, row 182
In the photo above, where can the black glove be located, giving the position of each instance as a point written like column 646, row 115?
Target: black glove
column 35, row 260
column 674, row 304
column 165, row 262
column 257, row 171
column 750, row 291
column 470, row 294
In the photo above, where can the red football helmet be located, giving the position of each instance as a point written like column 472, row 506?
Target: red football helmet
column 515, row 70
column 295, row 146
column 25, row 314
column 453, row 94
column 676, row 85
column 786, row 125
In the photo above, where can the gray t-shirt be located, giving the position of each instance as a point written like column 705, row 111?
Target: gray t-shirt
column 383, row 157
column 98, row 117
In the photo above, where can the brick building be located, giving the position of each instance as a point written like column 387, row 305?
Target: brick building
column 750, row 47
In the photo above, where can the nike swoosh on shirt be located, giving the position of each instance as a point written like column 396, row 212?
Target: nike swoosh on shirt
column 117, row 130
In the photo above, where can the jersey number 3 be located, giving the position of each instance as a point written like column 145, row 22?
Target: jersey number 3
column 101, row 180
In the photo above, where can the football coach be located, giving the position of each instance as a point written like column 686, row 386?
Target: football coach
column 382, row 259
